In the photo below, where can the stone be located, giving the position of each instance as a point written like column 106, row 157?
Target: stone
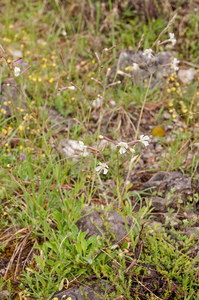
column 141, row 76
column 173, row 185
column 60, row 123
column 194, row 231
column 71, row 149
column 171, row 221
column 158, row 203
column 12, row 101
column 4, row 294
column 110, row 223
column 190, row 215
column 94, row 291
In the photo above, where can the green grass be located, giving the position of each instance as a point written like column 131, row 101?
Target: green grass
column 43, row 197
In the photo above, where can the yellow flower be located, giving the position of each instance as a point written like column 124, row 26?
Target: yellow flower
column 170, row 104
column 20, row 147
column 51, row 80
column 30, row 76
column 6, row 145
column 177, row 84
column 8, row 150
column 145, row 80
column 174, row 115
column 44, row 59
column 20, row 128
column 129, row 68
column 11, row 26
column 8, row 165
column 72, row 98
column 4, row 131
column 34, row 79
column 3, row 111
column 197, row 93
column 39, row 79
column 93, row 61
column 38, row 130
column 44, row 66
column 52, row 57
column 168, row 90
column 9, row 127
column 173, row 89
column 53, row 64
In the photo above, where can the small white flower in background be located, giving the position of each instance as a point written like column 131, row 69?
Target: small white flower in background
column 102, row 167
column 17, row 71
column 148, row 52
column 135, row 66
column 123, row 147
column 144, row 140
column 172, row 38
column 64, row 32
column 174, row 64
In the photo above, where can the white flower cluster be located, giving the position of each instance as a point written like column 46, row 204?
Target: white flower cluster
column 172, row 38
column 124, row 147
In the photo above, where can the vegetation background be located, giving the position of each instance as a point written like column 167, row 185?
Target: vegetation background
column 43, row 194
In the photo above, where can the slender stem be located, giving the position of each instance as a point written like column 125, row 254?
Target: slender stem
column 143, row 105
column 118, row 185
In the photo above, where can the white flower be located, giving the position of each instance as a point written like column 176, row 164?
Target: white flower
column 135, row 66
column 123, row 147
column 148, row 52
column 17, row 71
column 172, row 38
column 144, row 140
column 174, row 64
column 102, row 166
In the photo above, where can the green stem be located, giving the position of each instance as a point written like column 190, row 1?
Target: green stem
column 143, row 105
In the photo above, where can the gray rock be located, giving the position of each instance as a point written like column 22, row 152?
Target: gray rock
column 60, row 123
column 126, row 58
column 11, row 100
column 192, row 231
column 173, row 185
column 87, row 292
column 72, row 149
column 190, row 215
column 4, row 294
column 109, row 223
column 158, row 203
column 171, row 221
